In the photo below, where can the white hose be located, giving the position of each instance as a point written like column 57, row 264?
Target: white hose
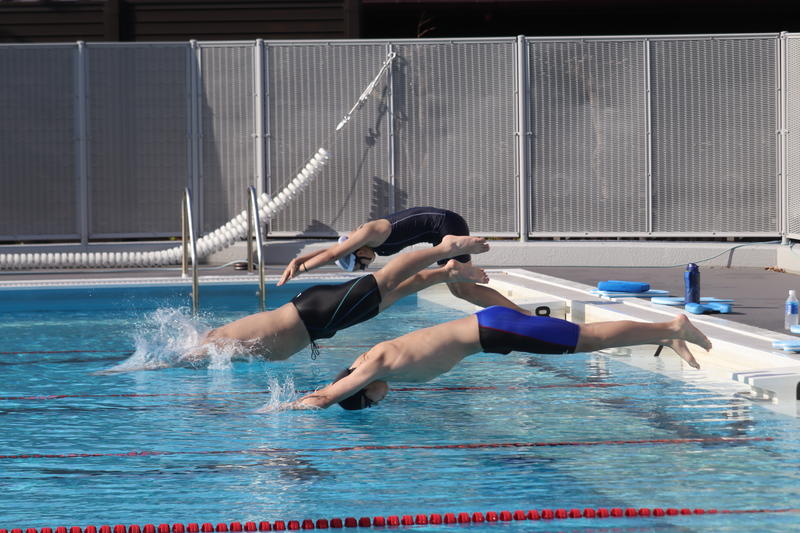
column 221, row 238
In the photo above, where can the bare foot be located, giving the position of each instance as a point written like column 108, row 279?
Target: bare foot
column 688, row 332
column 465, row 244
column 683, row 351
column 465, row 272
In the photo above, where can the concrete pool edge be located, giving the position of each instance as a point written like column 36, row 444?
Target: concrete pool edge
column 741, row 353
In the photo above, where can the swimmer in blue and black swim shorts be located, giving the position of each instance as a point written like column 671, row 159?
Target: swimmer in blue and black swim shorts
column 391, row 234
column 320, row 311
column 427, row 353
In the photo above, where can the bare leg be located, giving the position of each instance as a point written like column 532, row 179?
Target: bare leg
column 629, row 333
column 452, row 272
column 403, row 266
column 482, row 296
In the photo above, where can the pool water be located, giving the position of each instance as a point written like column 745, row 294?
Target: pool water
column 496, row 433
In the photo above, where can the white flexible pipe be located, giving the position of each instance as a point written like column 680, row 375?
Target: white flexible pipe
column 218, row 239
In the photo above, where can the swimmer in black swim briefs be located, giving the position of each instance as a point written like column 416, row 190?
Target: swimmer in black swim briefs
column 320, row 311
column 389, row 235
column 325, row 309
column 425, row 354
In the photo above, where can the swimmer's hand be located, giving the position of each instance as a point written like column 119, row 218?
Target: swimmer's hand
column 291, row 271
column 296, row 405
column 300, row 405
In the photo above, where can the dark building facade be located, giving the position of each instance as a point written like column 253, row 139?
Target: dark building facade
column 538, row 18
column 25, row 21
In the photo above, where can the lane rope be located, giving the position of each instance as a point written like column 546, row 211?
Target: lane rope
column 457, row 518
column 469, row 446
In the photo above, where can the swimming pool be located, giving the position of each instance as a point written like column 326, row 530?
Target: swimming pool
column 497, row 433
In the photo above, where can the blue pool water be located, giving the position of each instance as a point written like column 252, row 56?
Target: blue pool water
column 403, row 457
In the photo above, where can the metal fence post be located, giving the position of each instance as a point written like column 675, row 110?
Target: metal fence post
column 258, row 98
column 81, row 143
column 390, row 128
column 195, row 178
column 522, row 137
column 648, row 137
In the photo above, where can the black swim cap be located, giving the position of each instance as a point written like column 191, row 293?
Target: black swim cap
column 357, row 401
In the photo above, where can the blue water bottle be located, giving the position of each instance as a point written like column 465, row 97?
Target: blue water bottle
column 691, row 282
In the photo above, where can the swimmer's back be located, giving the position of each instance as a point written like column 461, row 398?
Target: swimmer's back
column 421, row 224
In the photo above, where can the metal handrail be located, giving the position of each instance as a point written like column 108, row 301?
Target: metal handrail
column 252, row 217
column 189, row 245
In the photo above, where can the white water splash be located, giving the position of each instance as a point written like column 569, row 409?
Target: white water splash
column 281, row 395
column 169, row 337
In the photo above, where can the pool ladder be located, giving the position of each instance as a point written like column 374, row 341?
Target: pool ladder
column 189, row 245
column 253, row 222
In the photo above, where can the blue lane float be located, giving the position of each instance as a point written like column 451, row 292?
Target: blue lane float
column 787, row 345
column 617, row 294
column 615, row 285
column 708, row 307
column 679, row 300
column 615, row 288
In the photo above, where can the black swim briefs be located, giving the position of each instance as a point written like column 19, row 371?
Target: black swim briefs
column 325, row 309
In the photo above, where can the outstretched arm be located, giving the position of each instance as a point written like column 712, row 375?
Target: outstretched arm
column 369, row 234
column 298, row 265
column 362, row 376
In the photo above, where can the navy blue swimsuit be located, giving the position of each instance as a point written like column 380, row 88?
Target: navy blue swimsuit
column 422, row 224
column 502, row 330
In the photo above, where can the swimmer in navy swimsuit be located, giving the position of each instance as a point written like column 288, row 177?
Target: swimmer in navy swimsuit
column 427, row 353
column 320, row 311
column 391, row 234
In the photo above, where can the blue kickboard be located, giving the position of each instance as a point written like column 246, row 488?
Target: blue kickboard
column 677, row 300
column 709, row 307
column 615, row 285
column 617, row 294
column 787, row 346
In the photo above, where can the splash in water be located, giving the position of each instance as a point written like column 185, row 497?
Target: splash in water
column 281, row 395
column 171, row 337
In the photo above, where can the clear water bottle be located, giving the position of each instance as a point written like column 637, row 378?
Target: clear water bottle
column 792, row 306
column 691, row 283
